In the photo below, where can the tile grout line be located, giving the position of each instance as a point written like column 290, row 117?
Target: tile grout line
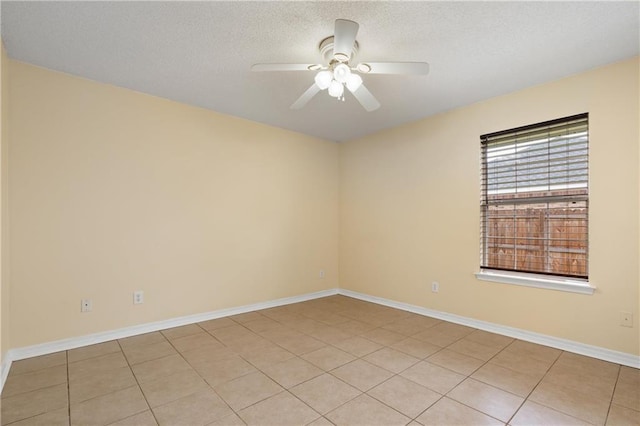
column 425, row 360
column 305, row 381
column 66, row 356
column 386, row 380
column 467, row 377
column 137, row 384
column 442, row 396
column 87, row 375
column 525, row 399
column 197, row 372
column 536, row 387
column 37, row 370
column 284, row 389
column 613, row 393
column 307, row 405
column 205, row 380
column 394, row 374
column 571, row 415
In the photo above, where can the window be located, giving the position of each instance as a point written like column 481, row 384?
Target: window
column 535, row 199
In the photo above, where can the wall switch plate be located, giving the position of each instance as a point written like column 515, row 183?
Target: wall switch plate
column 321, row 273
column 86, row 305
column 435, row 287
column 626, row 319
column 138, row 297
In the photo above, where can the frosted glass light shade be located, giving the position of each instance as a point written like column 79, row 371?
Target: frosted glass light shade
column 336, row 89
column 341, row 73
column 354, row 82
column 323, row 79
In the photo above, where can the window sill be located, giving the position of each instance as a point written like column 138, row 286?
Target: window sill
column 542, row 281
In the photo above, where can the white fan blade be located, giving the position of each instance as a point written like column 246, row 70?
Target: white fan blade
column 344, row 37
column 281, row 67
column 419, row 68
column 306, row 97
column 366, row 99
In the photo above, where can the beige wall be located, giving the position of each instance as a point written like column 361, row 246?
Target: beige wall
column 4, row 205
column 410, row 211
column 113, row 191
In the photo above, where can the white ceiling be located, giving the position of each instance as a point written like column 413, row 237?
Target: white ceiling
column 200, row 53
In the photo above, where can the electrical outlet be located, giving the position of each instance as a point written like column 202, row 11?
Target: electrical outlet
column 626, row 319
column 321, row 273
column 138, row 297
column 86, row 305
column 435, row 287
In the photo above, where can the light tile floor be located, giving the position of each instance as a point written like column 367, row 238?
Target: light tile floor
column 334, row 360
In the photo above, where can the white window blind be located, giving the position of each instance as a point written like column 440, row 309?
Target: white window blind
column 534, row 201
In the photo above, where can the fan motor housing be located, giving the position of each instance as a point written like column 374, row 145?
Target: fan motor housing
column 326, row 49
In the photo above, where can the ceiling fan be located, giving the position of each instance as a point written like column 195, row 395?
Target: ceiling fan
column 338, row 73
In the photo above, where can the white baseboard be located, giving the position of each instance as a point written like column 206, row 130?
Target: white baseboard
column 91, row 339
column 4, row 369
column 529, row 336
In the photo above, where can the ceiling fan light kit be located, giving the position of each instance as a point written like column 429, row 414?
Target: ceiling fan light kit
column 338, row 50
column 335, row 79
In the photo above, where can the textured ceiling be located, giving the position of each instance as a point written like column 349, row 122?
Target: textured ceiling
column 200, row 53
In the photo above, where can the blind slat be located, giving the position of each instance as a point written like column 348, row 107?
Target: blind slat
column 539, row 200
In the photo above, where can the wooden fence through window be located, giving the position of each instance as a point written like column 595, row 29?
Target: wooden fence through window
column 546, row 237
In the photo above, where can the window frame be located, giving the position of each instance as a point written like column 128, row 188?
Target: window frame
column 531, row 278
